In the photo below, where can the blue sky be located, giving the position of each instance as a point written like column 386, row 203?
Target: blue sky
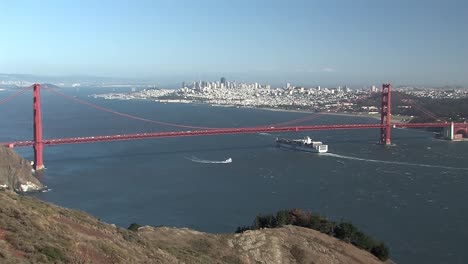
column 303, row 42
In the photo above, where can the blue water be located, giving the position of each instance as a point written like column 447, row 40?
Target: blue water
column 412, row 195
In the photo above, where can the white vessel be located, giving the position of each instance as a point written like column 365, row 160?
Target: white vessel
column 305, row 144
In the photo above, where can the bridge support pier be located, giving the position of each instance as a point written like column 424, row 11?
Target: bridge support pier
column 385, row 118
column 38, row 145
column 449, row 132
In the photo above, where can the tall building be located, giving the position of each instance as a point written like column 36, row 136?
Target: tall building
column 223, row 81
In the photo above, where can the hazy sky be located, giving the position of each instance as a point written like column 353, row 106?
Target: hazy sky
column 303, row 42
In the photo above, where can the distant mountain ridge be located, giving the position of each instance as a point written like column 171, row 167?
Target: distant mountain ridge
column 11, row 79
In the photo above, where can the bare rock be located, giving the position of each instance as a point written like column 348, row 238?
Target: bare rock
column 16, row 173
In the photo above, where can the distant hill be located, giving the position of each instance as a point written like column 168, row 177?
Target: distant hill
column 446, row 109
column 22, row 79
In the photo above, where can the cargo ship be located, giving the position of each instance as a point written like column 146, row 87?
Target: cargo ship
column 305, row 144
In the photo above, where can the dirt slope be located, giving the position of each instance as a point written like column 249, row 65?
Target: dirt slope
column 32, row 231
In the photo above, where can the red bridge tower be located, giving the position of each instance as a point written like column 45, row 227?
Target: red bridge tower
column 385, row 118
column 38, row 146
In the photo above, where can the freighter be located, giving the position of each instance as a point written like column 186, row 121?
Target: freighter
column 305, row 144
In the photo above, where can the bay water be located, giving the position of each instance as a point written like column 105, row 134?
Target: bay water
column 413, row 195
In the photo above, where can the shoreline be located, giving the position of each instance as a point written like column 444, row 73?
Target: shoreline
column 357, row 114
column 321, row 113
column 395, row 119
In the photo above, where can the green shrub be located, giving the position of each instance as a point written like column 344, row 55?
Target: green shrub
column 268, row 221
column 53, row 253
column 282, row 218
column 344, row 231
column 380, row 251
column 134, row 227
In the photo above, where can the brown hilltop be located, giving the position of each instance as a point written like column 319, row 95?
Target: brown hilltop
column 32, row 231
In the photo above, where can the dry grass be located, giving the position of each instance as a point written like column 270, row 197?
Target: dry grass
column 32, row 231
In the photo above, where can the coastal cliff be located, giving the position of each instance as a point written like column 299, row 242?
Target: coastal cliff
column 32, row 231
column 16, row 172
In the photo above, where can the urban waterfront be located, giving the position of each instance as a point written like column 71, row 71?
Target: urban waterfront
column 411, row 195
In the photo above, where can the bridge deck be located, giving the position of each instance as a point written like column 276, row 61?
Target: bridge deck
column 222, row 131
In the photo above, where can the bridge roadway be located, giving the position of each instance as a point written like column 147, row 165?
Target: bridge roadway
column 221, row 131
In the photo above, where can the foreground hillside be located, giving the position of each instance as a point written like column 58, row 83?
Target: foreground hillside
column 32, row 231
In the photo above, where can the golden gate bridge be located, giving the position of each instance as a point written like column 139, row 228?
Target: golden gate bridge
column 38, row 142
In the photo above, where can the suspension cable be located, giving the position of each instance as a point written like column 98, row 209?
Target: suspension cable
column 9, row 98
column 290, row 122
column 119, row 113
column 296, row 121
column 419, row 107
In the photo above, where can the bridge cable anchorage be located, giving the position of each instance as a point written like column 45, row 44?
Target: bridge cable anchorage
column 11, row 97
column 122, row 114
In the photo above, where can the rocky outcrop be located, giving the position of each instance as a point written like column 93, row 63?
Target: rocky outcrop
column 16, row 172
column 32, row 231
column 288, row 244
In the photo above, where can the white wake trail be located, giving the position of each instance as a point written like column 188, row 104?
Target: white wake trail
column 195, row 159
column 392, row 162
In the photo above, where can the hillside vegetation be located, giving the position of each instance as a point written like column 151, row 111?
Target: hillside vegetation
column 32, row 231
column 344, row 231
column 403, row 104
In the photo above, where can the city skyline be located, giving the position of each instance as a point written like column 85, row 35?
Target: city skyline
column 301, row 42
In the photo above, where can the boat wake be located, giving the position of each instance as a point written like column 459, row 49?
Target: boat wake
column 195, row 159
column 392, row 162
